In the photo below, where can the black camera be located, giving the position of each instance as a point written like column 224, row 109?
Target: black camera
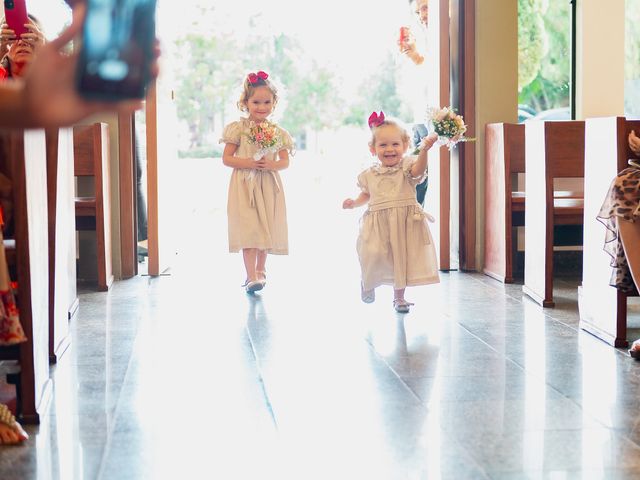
column 117, row 49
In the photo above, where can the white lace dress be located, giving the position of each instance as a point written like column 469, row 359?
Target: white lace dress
column 395, row 246
column 256, row 208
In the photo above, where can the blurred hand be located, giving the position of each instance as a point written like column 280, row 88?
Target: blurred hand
column 50, row 95
column 34, row 36
column 7, row 36
column 348, row 204
column 634, row 142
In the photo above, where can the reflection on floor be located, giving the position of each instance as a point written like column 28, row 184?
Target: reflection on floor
column 168, row 378
column 186, row 377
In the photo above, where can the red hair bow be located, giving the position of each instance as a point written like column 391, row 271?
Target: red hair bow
column 255, row 77
column 376, row 120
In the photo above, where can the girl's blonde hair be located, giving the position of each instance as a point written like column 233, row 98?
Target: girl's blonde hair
column 249, row 87
column 406, row 138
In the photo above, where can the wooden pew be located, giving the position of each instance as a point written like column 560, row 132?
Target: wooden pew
column 552, row 150
column 504, row 207
column 603, row 308
column 91, row 152
column 504, row 201
column 25, row 152
column 63, row 301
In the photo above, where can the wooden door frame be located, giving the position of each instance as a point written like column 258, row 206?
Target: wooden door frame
column 127, row 186
column 152, row 179
column 464, row 25
column 445, row 155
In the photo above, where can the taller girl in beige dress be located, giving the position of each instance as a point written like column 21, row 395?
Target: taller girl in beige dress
column 256, row 206
column 394, row 245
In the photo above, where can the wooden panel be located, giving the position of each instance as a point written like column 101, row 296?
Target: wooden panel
column 127, row 185
column 565, row 145
column 552, row 150
column 103, row 209
column 27, row 154
column 91, row 152
column 504, row 156
column 83, row 147
column 152, row 181
column 538, row 216
column 468, row 150
column 62, row 268
column 602, row 307
column 515, row 147
column 445, row 157
column 497, row 199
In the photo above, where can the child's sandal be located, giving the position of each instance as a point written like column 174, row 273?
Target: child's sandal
column 401, row 305
column 367, row 296
column 262, row 276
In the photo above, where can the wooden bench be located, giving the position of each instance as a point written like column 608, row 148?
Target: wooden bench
column 91, row 152
column 504, row 201
column 63, row 300
column 24, row 154
column 553, row 150
column 603, row 308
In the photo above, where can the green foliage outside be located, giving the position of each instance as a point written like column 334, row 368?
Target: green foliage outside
column 544, row 51
column 208, row 88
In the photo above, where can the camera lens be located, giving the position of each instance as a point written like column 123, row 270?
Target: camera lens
column 8, row 4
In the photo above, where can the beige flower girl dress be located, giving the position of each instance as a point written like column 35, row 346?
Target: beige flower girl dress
column 395, row 246
column 256, row 208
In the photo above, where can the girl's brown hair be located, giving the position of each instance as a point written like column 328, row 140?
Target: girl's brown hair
column 250, row 86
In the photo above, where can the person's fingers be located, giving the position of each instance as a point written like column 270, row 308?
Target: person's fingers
column 73, row 29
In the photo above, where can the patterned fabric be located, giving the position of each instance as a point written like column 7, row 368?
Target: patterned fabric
column 622, row 201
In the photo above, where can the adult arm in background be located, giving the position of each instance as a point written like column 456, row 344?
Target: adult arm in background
column 47, row 96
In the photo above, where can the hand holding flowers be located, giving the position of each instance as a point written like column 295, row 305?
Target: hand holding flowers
column 449, row 126
column 266, row 137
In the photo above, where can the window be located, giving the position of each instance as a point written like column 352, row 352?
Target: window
column 544, row 59
column 632, row 59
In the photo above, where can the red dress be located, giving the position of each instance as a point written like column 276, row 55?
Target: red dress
column 11, row 331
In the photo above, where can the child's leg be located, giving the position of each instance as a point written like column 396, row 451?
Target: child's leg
column 261, row 262
column 249, row 256
column 398, row 294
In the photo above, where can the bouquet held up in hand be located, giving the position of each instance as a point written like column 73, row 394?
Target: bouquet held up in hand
column 266, row 137
column 449, row 126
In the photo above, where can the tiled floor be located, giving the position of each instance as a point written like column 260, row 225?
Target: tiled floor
column 186, row 377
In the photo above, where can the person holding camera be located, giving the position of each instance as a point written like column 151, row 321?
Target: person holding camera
column 417, row 77
column 17, row 53
column 47, row 96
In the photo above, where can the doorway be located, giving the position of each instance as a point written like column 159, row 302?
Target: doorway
column 330, row 84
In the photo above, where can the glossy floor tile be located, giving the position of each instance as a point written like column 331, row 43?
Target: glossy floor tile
column 185, row 376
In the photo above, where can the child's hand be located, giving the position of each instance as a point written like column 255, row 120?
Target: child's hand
column 428, row 141
column 348, row 204
column 634, row 142
column 266, row 163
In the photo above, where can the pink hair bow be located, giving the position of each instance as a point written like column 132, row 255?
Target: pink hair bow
column 376, row 120
column 255, row 77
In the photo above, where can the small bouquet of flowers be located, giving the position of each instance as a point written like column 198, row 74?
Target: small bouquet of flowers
column 449, row 126
column 266, row 137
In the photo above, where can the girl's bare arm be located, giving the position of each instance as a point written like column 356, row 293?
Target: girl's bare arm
column 232, row 161
column 420, row 165
column 360, row 200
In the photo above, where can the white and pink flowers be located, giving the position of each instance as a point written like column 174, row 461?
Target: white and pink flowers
column 449, row 126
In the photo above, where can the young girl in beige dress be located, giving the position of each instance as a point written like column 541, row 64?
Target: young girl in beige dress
column 256, row 206
column 394, row 245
